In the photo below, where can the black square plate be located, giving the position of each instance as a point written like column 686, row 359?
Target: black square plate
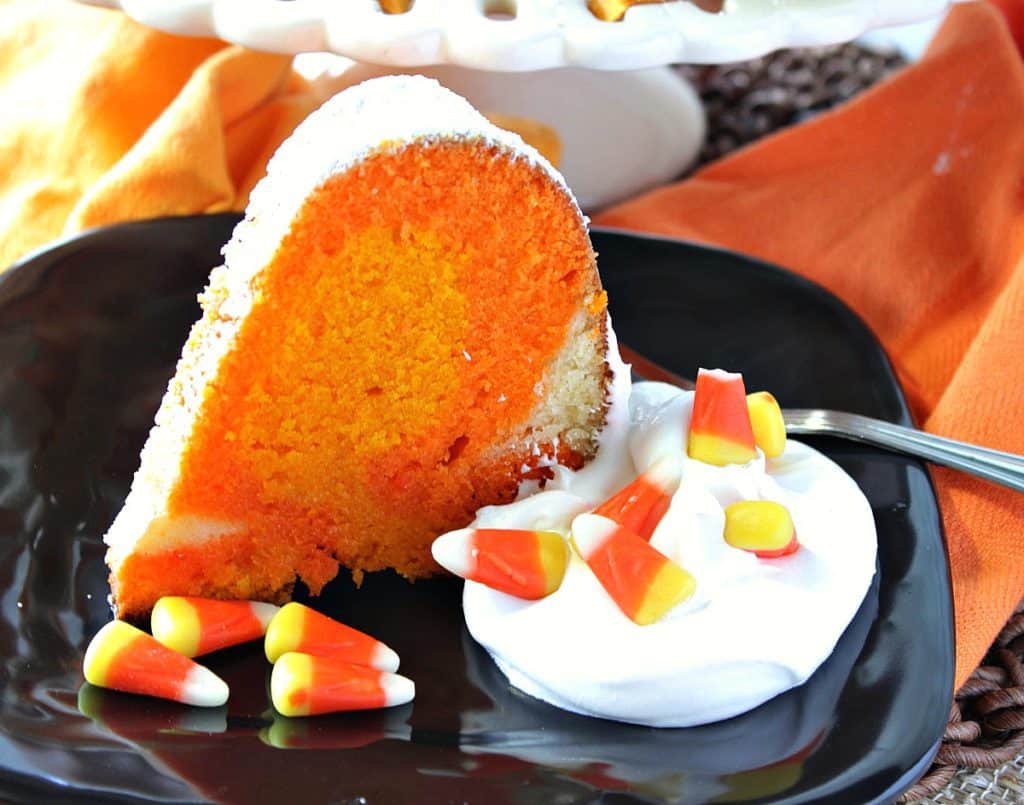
column 89, row 333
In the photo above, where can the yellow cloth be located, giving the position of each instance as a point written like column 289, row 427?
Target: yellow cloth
column 103, row 120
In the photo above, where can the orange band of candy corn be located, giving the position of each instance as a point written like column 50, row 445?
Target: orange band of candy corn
column 297, row 628
column 640, row 506
column 526, row 564
column 720, row 429
column 642, row 582
column 194, row 626
column 124, row 658
column 304, row 685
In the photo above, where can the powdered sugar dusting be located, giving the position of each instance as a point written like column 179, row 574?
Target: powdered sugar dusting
column 392, row 111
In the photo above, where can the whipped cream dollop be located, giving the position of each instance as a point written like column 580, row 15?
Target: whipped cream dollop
column 753, row 629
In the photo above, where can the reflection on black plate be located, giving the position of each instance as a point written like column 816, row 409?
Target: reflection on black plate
column 89, row 332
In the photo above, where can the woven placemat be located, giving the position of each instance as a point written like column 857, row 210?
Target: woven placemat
column 982, row 754
column 981, row 759
column 747, row 100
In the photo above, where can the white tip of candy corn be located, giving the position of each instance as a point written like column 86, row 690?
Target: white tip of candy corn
column 397, row 689
column 452, row 551
column 384, row 659
column 666, row 473
column 589, row 531
column 203, row 688
column 264, row 612
column 721, row 375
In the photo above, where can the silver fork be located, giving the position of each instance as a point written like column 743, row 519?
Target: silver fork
column 992, row 465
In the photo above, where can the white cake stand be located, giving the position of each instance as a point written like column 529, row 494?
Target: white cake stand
column 517, row 35
column 622, row 132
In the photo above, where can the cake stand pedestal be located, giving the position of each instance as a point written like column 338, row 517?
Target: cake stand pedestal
column 625, row 121
column 621, row 132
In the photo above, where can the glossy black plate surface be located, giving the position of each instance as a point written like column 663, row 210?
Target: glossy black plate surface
column 89, row 333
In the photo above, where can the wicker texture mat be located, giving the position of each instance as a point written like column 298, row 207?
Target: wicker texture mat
column 747, row 100
column 981, row 759
column 982, row 754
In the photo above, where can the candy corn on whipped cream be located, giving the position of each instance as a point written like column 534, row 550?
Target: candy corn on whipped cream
column 750, row 572
column 408, row 326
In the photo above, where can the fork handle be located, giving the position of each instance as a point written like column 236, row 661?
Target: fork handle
column 992, row 465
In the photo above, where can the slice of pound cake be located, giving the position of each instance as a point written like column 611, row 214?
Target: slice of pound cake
column 408, row 322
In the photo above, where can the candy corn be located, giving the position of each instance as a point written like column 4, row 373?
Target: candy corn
column 124, row 658
column 304, row 685
column 720, row 429
column 298, row 628
column 641, row 505
column 526, row 564
column 194, row 626
column 767, row 423
column 762, row 527
column 644, row 583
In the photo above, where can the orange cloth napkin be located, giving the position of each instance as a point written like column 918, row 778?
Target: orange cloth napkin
column 103, row 120
column 907, row 203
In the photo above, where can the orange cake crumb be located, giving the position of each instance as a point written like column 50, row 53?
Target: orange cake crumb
column 393, row 374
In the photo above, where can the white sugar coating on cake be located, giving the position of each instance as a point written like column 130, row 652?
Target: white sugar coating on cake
column 392, row 112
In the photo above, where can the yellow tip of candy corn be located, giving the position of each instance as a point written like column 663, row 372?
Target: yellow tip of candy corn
column 291, row 683
column 643, row 583
column 285, row 631
column 718, row 451
column 194, row 626
column 522, row 563
column 670, row 587
column 554, row 559
column 175, row 623
column 106, row 644
column 766, row 420
column 763, row 527
column 124, row 658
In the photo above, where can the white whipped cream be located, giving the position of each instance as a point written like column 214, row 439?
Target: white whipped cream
column 753, row 629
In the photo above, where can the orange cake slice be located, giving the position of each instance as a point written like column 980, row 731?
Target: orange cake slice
column 408, row 322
